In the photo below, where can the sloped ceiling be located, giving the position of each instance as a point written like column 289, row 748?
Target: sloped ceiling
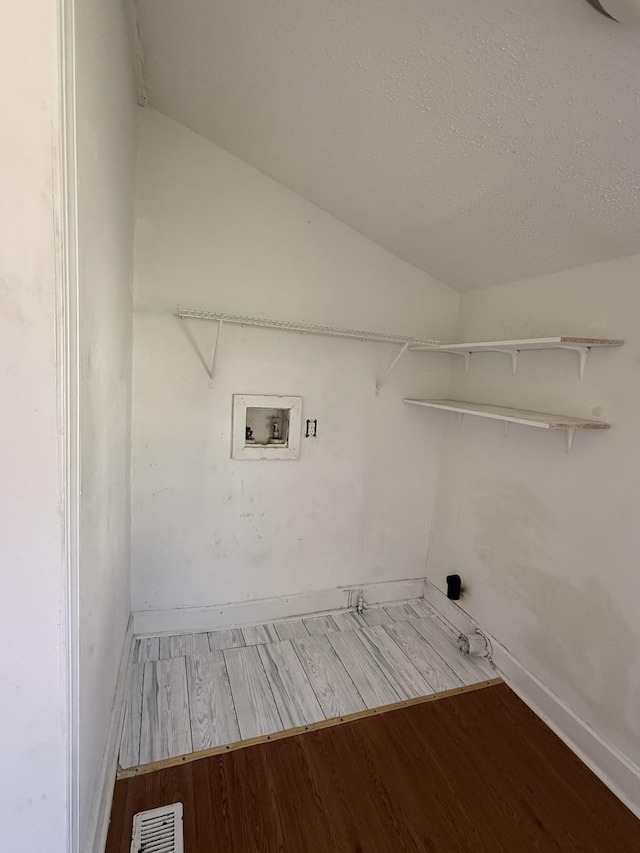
column 483, row 141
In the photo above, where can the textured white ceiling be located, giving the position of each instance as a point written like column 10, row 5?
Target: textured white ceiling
column 481, row 140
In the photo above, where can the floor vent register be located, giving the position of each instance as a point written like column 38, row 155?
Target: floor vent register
column 158, row 830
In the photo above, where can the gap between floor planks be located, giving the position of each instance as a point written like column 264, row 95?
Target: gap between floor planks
column 286, row 733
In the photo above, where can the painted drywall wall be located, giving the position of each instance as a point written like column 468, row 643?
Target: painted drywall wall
column 33, row 771
column 106, row 174
column 548, row 543
column 213, row 233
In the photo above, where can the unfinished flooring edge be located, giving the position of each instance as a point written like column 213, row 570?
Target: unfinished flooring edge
column 177, row 760
column 615, row 770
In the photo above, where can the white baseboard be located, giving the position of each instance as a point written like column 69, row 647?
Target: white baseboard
column 619, row 774
column 192, row 619
column 101, row 808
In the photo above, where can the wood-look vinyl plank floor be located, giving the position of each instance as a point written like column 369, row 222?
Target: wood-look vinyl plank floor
column 341, row 672
column 375, row 616
column 420, row 607
column 370, row 681
column 431, row 666
column 431, row 622
column 320, row 625
column 473, row 773
column 258, row 635
column 255, row 706
column 398, row 612
column 147, row 648
column 182, row 645
column 292, row 691
column 400, row 672
column 232, row 638
column 165, row 648
column 336, row 692
column 348, row 621
column 211, row 707
column 130, row 746
column 166, row 728
column 444, row 645
column 345, row 621
column 291, row 629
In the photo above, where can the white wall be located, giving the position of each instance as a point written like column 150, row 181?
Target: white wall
column 548, row 543
column 106, row 176
column 33, row 769
column 356, row 507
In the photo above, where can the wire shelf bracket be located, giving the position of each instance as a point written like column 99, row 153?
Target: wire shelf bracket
column 304, row 329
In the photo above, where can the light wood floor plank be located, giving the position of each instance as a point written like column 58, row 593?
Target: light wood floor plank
column 376, row 616
column 320, row 625
column 399, row 612
column 292, row 691
column 401, row 673
column 291, row 629
column 445, row 645
column 450, row 638
column 130, row 744
column 258, row 635
column 165, row 728
column 255, row 706
column 147, row 648
column 425, row 611
column 371, row 682
column 188, row 644
column 335, row 690
column 211, row 708
column 431, row 666
column 165, row 648
column 348, row 621
column 421, row 608
column 232, row 638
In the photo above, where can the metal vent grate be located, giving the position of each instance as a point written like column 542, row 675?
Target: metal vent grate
column 158, row 830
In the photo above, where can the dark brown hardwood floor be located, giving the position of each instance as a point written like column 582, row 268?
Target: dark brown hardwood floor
column 473, row 772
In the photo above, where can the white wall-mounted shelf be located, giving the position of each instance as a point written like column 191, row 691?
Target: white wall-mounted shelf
column 304, row 329
column 582, row 346
column 541, row 420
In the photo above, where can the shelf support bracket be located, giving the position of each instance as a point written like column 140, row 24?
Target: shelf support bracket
column 460, row 416
column 403, row 349
column 507, row 424
column 514, row 353
column 583, row 355
column 465, row 355
column 212, row 372
column 570, row 434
